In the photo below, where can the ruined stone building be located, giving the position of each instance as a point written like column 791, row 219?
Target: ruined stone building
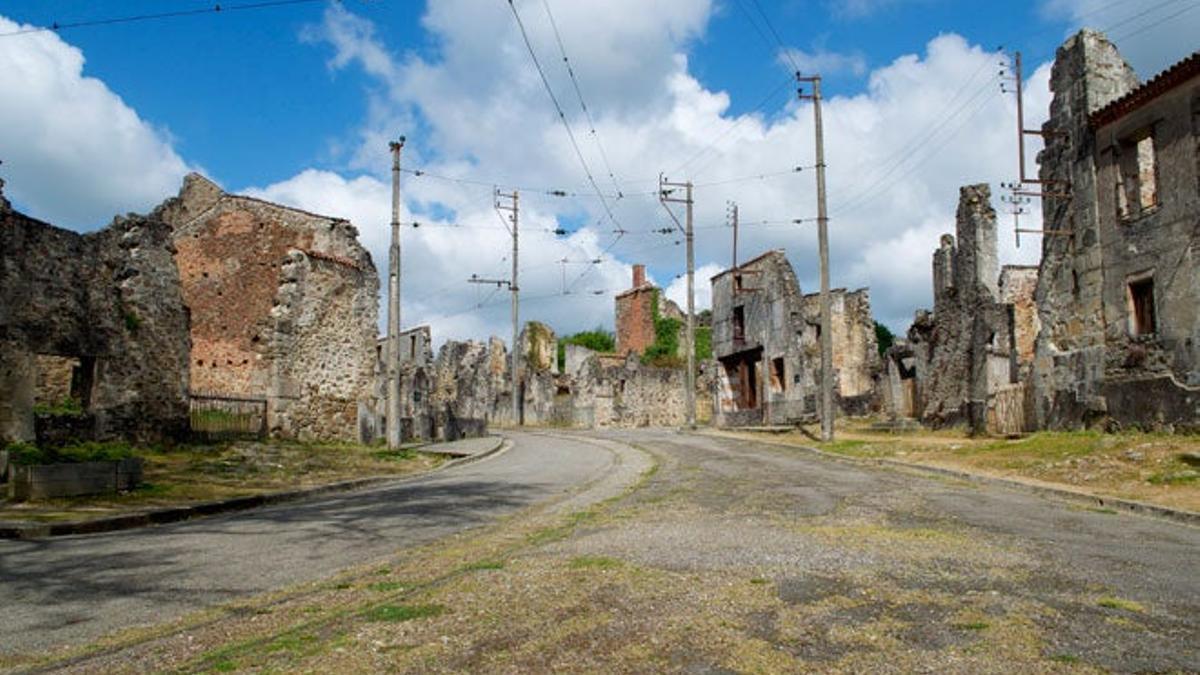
column 1118, row 292
column 965, row 357
column 284, row 307
column 856, row 360
column 96, row 321
column 765, row 339
column 636, row 308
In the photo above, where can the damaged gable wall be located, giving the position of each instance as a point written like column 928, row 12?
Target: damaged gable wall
column 284, row 307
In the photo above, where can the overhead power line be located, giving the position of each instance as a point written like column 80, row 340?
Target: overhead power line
column 217, row 8
column 579, row 94
column 562, row 116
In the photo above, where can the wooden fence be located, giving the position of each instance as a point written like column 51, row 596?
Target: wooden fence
column 218, row 416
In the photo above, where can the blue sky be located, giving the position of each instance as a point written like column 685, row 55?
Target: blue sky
column 295, row 103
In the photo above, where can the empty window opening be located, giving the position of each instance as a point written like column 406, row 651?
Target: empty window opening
column 1137, row 179
column 63, row 384
column 1141, row 301
column 778, row 376
column 739, row 324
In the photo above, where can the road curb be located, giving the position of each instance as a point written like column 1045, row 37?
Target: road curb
column 1093, row 500
column 175, row 514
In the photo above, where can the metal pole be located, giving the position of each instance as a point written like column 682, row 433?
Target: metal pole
column 690, row 398
column 827, row 411
column 393, row 334
column 515, row 289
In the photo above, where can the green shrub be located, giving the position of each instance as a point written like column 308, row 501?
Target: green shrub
column 597, row 340
column 68, row 407
column 28, row 454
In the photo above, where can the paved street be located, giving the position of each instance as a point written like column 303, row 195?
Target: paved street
column 733, row 556
column 76, row 588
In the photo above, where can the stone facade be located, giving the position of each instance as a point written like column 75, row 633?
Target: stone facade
column 977, row 339
column 856, row 360
column 284, row 307
column 109, row 301
column 1119, row 280
column 765, row 338
column 616, row 391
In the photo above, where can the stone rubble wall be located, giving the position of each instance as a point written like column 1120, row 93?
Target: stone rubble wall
column 1089, row 365
column 969, row 346
column 284, row 307
column 856, row 360
column 111, row 298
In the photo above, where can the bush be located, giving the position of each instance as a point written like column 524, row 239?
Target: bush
column 598, row 340
column 28, row 454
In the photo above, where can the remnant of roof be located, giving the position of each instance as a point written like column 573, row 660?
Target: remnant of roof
column 1153, row 88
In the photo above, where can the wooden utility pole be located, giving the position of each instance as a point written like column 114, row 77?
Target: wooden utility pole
column 393, row 333
column 827, row 411
column 665, row 189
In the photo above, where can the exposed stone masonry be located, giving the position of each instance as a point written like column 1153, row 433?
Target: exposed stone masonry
column 284, row 305
column 1118, row 286
column 110, row 299
column 766, row 340
column 972, row 344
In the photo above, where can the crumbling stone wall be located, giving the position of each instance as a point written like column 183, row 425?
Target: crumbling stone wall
column 470, row 385
column 110, row 298
column 899, row 381
column 967, row 348
column 1018, row 284
column 284, row 307
column 616, row 391
column 856, row 360
column 1127, row 156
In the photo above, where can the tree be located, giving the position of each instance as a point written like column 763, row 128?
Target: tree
column 884, row 337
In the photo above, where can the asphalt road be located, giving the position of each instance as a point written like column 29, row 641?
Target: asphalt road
column 869, row 568
column 74, row 589
column 922, row 549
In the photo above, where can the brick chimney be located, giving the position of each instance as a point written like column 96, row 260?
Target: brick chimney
column 639, row 276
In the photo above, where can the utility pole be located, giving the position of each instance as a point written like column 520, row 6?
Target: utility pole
column 512, row 207
column 827, row 411
column 665, row 189
column 393, row 334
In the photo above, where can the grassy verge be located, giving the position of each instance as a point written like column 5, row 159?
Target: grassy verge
column 1151, row 467
column 194, row 473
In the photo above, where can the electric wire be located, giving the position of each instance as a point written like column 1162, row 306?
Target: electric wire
column 562, row 116
column 214, row 9
column 579, row 94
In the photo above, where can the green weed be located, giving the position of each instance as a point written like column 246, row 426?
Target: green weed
column 398, row 613
column 1111, row 602
column 594, row 562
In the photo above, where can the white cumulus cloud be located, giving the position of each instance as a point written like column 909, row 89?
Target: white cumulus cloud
column 74, row 153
